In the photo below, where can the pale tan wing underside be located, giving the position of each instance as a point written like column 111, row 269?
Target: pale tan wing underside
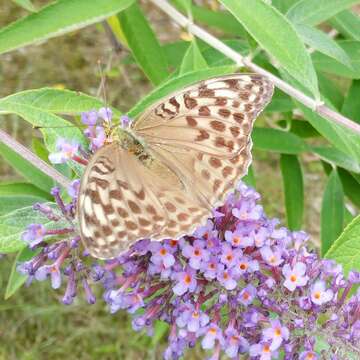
column 203, row 132
column 121, row 201
column 199, row 139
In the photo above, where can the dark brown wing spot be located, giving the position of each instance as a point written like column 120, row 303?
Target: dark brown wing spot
column 106, row 230
column 203, row 135
column 172, row 224
column 224, row 113
column 238, row 117
column 248, row 107
column 182, row 217
column 115, row 194
column 220, row 101
column 215, row 162
column 108, row 209
column 191, row 121
column 94, row 196
column 233, row 83
column 144, row 222
column 244, row 96
column 205, row 92
column 123, row 184
column 189, row 102
column 134, row 207
column 235, row 131
column 122, row 212
column 100, row 182
column 220, row 142
column 170, row 207
column 218, row 126
column 140, row 195
column 174, row 102
column 97, row 234
column 121, row 234
column 227, row 170
column 130, row 225
column 204, row 111
column 115, row 222
column 151, row 210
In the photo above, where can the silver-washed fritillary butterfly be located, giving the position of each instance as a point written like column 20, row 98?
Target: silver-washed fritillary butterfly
column 178, row 161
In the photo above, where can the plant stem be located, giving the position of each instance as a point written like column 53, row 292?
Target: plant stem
column 217, row 44
column 33, row 159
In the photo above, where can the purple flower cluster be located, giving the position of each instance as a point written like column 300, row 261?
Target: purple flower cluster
column 239, row 285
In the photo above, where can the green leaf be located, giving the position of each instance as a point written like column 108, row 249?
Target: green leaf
column 293, row 190
column 160, row 330
column 342, row 138
column 346, row 249
column 17, row 195
column 283, row 5
column 143, row 44
column 16, row 279
column 332, row 212
column 39, row 149
column 26, row 169
column 277, row 36
column 56, row 101
column 193, row 59
column 249, row 178
column 312, row 12
column 329, row 65
column 56, row 19
column 218, row 19
column 26, row 4
column 330, row 90
column 277, row 141
column 351, row 187
column 351, row 106
column 337, row 157
column 348, row 24
column 13, row 224
column 177, row 84
column 318, row 40
column 280, row 102
column 32, row 107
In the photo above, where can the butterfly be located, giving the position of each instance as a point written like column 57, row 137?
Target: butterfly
column 177, row 162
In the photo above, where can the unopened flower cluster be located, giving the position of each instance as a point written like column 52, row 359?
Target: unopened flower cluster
column 240, row 284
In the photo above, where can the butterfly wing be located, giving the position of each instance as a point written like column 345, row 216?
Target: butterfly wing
column 203, row 132
column 121, row 200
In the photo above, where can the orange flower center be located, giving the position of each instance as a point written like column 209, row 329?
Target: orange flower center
column 226, row 275
column 272, row 259
column 197, row 252
column 293, row 278
column 277, row 332
column 195, row 314
column 236, row 240
column 187, row 279
column 212, row 331
column 310, row 356
column 317, row 295
column 266, row 348
column 163, row 251
column 243, row 266
column 229, row 257
column 212, row 266
column 173, row 243
column 246, row 295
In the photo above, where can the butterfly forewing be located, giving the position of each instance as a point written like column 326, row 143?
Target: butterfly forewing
column 198, row 140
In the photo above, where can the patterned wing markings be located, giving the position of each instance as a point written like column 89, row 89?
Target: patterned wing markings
column 213, row 117
column 199, row 142
column 121, row 200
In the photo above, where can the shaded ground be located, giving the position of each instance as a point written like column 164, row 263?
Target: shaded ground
column 33, row 325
